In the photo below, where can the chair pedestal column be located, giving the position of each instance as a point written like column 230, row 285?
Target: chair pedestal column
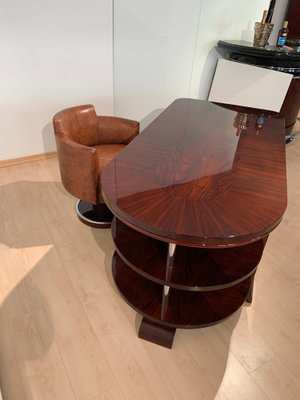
column 94, row 215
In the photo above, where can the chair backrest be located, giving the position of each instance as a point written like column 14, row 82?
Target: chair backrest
column 79, row 124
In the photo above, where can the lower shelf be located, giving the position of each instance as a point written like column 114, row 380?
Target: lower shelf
column 177, row 308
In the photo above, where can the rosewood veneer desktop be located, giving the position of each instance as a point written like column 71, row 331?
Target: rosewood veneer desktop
column 195, row 197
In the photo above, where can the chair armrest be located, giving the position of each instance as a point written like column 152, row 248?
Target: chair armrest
column 115, row 130
column 79, row 170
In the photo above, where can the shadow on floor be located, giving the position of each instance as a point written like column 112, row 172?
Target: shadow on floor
column 35, row 239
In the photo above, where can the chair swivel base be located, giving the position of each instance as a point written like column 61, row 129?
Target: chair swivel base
column 96, row 216
column 290, row 138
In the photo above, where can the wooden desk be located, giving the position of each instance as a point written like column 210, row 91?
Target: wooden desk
column 194, row 204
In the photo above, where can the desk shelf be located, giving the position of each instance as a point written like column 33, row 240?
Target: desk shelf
column 205, row 287
column 180, row 308
column 194, row 269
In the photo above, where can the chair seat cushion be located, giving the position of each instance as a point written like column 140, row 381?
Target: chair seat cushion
column 106, row 152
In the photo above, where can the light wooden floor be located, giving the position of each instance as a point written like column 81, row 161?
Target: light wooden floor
column 66, row 334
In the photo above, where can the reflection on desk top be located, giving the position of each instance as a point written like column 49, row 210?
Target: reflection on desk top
column 274, row 52
column 202, row 174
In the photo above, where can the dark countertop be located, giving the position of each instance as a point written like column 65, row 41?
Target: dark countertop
column 271, row 57
column 243, row 46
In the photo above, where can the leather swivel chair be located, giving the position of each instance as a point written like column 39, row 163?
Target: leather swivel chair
column 86, row 143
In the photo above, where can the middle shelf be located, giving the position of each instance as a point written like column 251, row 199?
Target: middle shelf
column 177, row 308
column 194, row 269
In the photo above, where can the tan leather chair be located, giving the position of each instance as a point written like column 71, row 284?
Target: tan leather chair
column 86, row 143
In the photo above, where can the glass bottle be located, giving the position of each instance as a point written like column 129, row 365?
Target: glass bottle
column 282, row 34
column 259, row 123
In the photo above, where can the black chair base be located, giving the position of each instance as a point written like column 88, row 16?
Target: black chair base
column 97, row 216
column 291, row 137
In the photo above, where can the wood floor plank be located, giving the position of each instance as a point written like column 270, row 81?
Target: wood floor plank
column 132, row 365
column 10, row 379
column 238, row 384
column 247, row 344
column 277, row 381
column 113, row 394
column 19, row 295
column 209, row 349
column 184, row 377
column 40, row 364
column 9, row 233
column 87, row 367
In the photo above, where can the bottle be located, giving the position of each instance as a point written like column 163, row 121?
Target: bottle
column 241, row 122
column 282, row 34
column 259, row 123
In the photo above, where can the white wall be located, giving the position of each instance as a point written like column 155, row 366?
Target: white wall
column 54, row 54
column 230, row 19
column 165, row 49
column 154, row 43
column 58, row 54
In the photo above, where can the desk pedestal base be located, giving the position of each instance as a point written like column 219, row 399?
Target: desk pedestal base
column 157, row 333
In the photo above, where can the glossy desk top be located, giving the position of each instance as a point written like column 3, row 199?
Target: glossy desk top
column 189, row 179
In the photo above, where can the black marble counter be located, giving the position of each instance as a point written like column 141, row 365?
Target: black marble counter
column 271, row 57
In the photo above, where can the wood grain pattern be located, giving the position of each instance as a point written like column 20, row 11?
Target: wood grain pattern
column 184, row 309
column 198, row 269
column 228, row 361
column 214, row 194
column 188, row 178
